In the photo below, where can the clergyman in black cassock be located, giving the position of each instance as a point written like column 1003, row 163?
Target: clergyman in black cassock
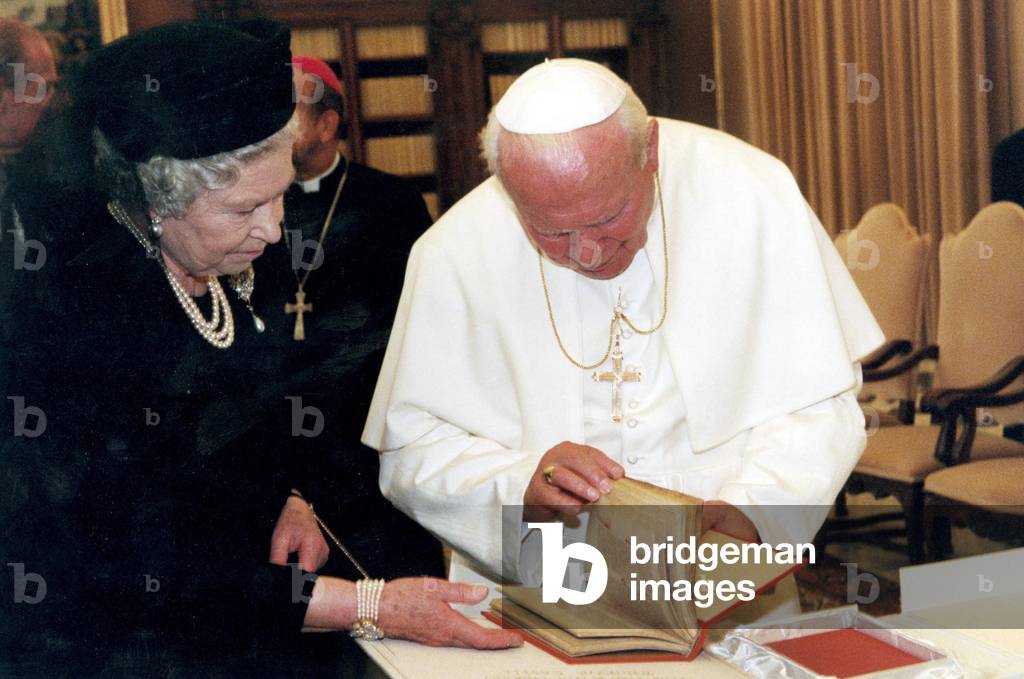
column 353, row 286
column 339, row 271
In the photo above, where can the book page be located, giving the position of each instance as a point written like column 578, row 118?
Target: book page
column 576, row 646
column 635, row 509
column 596, row 620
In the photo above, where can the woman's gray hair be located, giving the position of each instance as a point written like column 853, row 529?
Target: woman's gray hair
column 170, row 186
column 631, row 114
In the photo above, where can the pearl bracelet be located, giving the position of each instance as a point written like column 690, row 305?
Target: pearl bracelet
column 368, row 594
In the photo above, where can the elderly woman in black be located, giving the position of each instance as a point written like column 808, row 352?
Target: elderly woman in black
column 151, row 452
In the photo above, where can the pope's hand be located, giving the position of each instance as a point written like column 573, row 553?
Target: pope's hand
column 419, row 609
column 297, row 531
column 726, row 518
column 577, row 475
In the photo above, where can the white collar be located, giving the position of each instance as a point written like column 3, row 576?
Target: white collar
column 313, row 185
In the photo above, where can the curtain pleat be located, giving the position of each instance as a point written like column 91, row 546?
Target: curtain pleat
column 876, row 100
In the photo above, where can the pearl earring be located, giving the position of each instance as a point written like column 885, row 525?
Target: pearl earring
column 156, row 229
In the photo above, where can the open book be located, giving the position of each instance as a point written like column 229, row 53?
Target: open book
column 616, row 623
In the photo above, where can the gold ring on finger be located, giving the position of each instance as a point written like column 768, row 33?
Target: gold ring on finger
column 548, row 471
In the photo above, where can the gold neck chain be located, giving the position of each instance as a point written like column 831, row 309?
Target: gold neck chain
column 618, row 314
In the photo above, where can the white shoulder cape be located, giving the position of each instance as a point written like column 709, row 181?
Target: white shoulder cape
column 764, row 318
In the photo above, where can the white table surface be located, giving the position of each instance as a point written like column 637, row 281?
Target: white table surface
column 988, row 654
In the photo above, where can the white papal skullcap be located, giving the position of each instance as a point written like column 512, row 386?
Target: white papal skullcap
column 560, row 95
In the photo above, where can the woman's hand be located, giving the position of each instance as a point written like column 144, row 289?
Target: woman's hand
column 418, row 609
column 297, row 531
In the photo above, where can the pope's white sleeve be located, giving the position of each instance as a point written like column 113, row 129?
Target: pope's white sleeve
column 466, row 490
column 445, row 415
column 798, row 462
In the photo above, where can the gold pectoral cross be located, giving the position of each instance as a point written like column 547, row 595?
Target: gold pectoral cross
column 617, row 376
column 299, row 309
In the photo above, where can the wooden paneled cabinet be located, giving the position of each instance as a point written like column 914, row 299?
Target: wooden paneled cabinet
column 421, row 75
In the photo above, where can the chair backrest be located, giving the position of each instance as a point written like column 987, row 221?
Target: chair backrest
column 981, row 300
column 887, row 258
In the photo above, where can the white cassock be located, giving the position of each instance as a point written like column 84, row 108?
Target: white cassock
column 748, row 392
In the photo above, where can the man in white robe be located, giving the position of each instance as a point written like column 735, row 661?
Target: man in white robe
column 747, row 391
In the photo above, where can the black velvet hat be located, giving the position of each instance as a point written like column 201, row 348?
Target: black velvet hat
column 190, row 90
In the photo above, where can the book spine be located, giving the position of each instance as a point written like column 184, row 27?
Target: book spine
column 395, row 96
column 515, row 36
column 433, row 205
column 499, row 84
column 581, row 34
column 391, row 42
column 322, row 43
column 410, row 155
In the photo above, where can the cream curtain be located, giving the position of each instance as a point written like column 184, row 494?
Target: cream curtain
column 875, row 100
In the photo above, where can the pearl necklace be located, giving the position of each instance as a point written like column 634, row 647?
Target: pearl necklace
column 220, row 329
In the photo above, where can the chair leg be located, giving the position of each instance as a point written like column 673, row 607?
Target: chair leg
column 939, row 528
column 906, row 412
column 940, row 544
column 842, row 510
column 915, row 526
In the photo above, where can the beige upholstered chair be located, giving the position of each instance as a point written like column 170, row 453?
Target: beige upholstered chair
column 887, row 258
column 991, row 484
column 980, row 323
column 986, row 496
